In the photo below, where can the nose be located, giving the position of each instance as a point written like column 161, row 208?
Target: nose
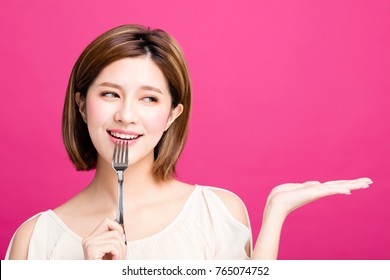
column 126, row 112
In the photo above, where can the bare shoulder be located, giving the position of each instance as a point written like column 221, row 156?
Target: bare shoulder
column 181, row 189
column 233, row 203
column 19, row 249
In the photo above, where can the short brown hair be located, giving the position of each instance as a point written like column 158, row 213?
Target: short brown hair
column 117, row 43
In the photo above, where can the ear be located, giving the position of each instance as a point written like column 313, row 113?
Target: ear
column 82, row 108
column 175, row 113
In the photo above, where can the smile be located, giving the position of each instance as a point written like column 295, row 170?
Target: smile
column 124, row 136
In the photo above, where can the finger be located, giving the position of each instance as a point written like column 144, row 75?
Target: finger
column 326, row 190
column 115, row 244
column 344, row 188
column 106, row 244
column 361, row 183
column 357, row 185
column 107, row 235
column 363, row 180
column 293, row 187
column 312, row 183
column 360, row 180
column 351, row 184
column 103, row 249
column 108, row 225
column 335, row 182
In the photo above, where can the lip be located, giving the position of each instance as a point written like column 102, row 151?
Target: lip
column 129, row 141
column 124, row 131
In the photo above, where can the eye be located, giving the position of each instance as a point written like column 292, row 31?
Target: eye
column 150, row 99
column 110, row 94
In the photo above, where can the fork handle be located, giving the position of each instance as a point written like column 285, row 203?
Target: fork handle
column 119, row 210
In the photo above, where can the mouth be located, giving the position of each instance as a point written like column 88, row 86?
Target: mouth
column 127, row 136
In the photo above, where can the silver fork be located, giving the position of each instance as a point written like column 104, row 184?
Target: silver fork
column 120, row 164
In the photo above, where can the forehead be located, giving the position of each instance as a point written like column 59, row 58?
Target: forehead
column 133, row 72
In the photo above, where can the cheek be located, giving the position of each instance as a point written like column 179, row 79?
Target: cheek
column 157, row 121
column 96, row 112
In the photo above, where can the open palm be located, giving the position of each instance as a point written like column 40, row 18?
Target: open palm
column 292, row 195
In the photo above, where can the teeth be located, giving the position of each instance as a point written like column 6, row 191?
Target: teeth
column 123, row 136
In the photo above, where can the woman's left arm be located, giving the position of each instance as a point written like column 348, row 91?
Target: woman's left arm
column 286, row 198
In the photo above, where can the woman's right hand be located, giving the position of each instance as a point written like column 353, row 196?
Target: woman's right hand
column 106, row 242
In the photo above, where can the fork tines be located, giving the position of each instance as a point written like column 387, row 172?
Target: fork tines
column 120, row 157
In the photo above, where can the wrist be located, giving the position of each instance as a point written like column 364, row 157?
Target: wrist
column 275, row 210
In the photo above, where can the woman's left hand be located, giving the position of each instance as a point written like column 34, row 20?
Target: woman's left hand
column 288, row 197
column 285, row 198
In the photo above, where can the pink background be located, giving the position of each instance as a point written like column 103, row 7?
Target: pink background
column 284, row 91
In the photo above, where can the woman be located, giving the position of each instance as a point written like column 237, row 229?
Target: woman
column 132, row 84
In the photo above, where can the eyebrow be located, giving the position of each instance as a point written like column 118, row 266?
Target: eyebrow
column 108, row 84
column 145, row 87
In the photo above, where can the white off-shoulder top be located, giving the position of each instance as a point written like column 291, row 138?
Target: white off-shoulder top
column 204, row 229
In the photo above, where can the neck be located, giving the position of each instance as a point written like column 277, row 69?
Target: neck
column 138, row 179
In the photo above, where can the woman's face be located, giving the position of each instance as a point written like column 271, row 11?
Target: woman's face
column 129, row 100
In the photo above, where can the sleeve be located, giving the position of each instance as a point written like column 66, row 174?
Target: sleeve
column 13, row 237
column 230, row 235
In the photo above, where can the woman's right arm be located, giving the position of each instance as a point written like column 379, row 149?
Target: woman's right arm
column 21, row 240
